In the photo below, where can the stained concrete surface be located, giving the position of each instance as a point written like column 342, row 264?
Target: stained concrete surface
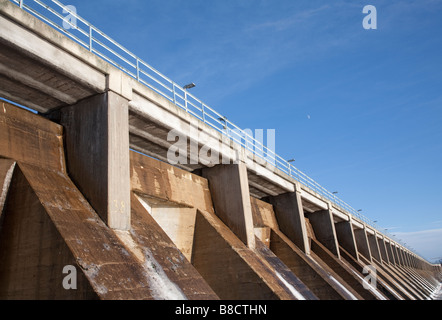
column 438, row 295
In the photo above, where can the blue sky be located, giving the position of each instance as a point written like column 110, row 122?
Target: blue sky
column 360, row 110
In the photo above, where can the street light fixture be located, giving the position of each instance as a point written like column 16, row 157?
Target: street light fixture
column 223, row 119
column 189, row 86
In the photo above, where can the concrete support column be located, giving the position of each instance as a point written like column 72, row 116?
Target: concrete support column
column 391, row 256
column 231, row 199
column 399, row 253
column 411, row 258
column 383, row 250
column 362, row 243
column 97, row 154
column 409, row 263
column 324, row 227
column 396, row 255
column 401, row 256
column 346, row 237
column 374, row 248
column 290, row 216
column 412, row 262
column 407, row 259
column 396, row 250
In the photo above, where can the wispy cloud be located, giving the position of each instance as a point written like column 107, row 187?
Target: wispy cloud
column 428, row 243
column 232, row 51
column 392, row 228
column 295, row 20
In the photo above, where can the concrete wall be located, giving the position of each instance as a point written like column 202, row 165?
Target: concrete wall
column 47, row 224
column 177, row 236
column 128, row 222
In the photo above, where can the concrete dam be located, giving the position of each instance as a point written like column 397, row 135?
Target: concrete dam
column 87, row 190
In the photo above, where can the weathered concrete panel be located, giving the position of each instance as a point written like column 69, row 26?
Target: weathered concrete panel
column 350, row 277
column 264, row 217
column 383, row 250
column 164, row 184
column 382, row 285
column 374, row 247
column 291, row 281
column 32, row 251
column 232, row 270
column 323, row 226
column 290, row 216
column 362, row 243
column 309, row 272
column 174, row 277
column 346, row 237
column 231, row 199
column 389, row 281
column 263, row 214
column 402, row 279
column 111, row 270
column 178, row 223
column 29, row 138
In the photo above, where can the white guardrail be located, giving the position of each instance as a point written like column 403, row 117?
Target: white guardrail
column 97, row 42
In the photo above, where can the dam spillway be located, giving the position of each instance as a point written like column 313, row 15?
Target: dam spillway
column 86, row 184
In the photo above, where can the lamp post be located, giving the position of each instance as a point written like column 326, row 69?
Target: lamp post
column 290, row 166
column 186, row 87
column 223, row 119
column 189, row 86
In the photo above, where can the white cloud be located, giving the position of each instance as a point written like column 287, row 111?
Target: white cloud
column 427, row 243
column 292, row 21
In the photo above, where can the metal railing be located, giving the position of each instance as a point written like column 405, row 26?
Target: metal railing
column 97, row 42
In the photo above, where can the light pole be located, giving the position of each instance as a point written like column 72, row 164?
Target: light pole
column 189, row 86
column 223, row 119
column 290, row 166
column 186, row 87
